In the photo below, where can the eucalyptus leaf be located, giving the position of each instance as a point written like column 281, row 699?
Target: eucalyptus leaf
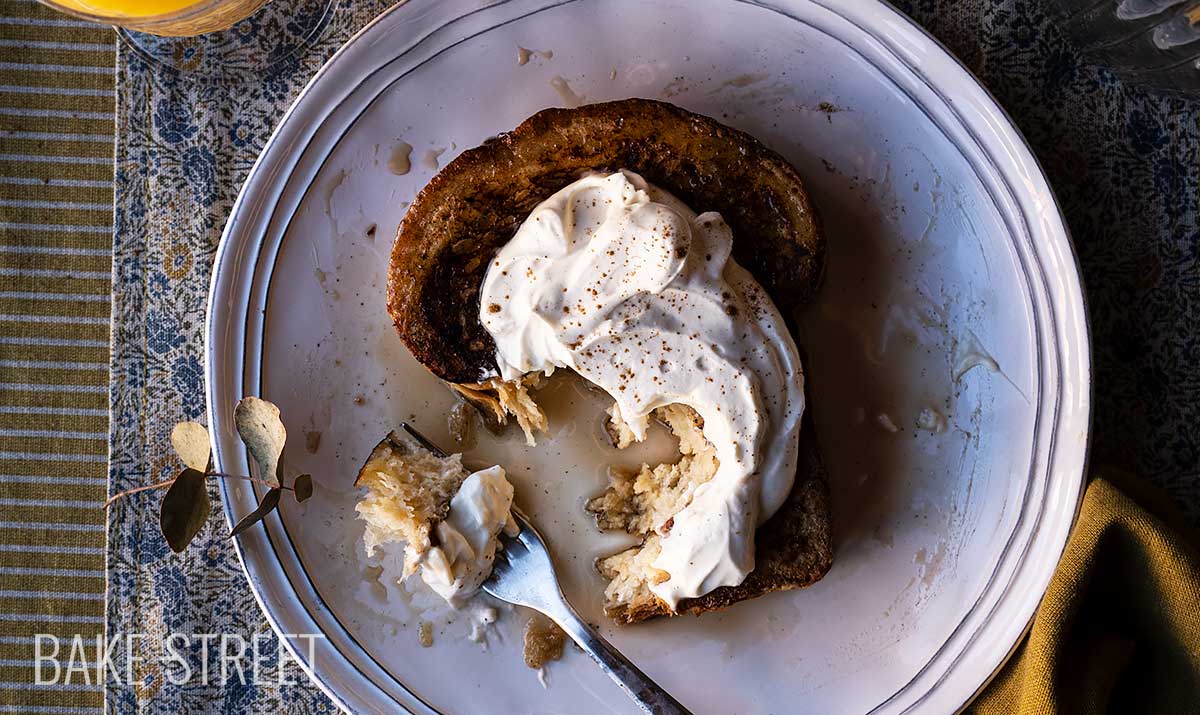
column 261, row 429
column 269, row 501
column 185, row 509
column 190, row 440
column 303, row 486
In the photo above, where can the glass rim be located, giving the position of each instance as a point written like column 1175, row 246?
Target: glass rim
column 139, row 22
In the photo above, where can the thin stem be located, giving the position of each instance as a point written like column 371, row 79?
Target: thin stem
column 248, row 479
column 135, row 490
column 169, row 482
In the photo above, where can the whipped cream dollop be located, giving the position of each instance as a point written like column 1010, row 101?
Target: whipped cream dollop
column 469, row 535
column 624, row 284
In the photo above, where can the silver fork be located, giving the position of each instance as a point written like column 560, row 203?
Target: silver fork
column 524, row 575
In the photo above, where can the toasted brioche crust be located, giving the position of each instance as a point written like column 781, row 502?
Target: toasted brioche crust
column 473, row 206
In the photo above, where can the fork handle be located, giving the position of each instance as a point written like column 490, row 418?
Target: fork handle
column 644, row 691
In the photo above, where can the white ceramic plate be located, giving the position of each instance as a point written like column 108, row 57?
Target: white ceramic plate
column 954, row 488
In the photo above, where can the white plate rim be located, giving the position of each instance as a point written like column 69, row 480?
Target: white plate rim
column 905, row 31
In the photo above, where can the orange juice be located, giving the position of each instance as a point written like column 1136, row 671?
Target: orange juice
column 126, row 8
column 162, row 17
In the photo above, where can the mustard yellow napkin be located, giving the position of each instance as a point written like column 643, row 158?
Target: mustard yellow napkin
column 1119, row 628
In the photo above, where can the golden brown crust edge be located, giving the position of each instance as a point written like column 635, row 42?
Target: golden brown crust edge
column 474, row 205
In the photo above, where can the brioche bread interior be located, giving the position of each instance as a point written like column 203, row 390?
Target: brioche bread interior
column 640, row 501
column 408, row 492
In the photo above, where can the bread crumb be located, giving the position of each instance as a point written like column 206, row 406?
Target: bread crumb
column 543, row 641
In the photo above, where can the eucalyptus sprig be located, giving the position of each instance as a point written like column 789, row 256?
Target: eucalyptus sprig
column 186, row 506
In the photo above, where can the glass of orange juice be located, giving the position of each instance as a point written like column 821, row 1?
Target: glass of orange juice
column 233, row 40
column 162, row 17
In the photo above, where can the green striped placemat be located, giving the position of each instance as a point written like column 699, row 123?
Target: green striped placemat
column 56, row 178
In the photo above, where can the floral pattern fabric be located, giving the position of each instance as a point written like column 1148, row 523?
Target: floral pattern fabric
column 1123, row 161
column 185, row 145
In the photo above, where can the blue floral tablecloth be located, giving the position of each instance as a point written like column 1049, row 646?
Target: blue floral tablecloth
column 186, row 142
column 1123, row 161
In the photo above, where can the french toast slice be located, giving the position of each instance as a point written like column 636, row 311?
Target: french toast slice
column 474, row 205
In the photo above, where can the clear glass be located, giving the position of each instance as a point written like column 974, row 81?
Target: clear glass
column 223, row 41
column 1152, row 42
